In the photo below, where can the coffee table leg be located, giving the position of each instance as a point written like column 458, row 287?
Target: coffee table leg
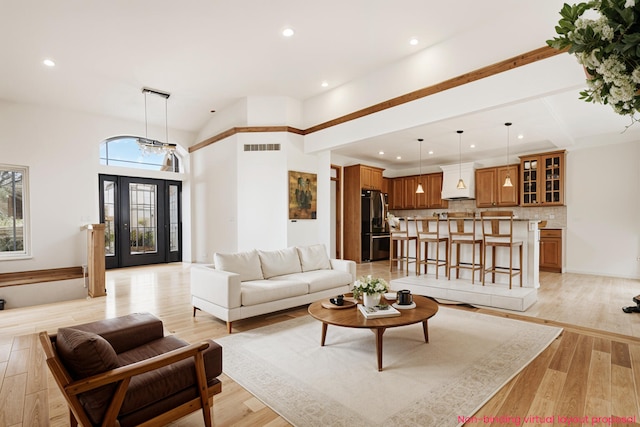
column 379, row 333
column 425, row 329
column 324, row 333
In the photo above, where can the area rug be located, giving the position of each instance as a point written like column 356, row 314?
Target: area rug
column 469, row 357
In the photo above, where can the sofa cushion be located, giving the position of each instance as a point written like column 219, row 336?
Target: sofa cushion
column 153, row 386
column 246, row 264
column 85, row 353
column 314, row 257
column 277, row 263
column 260, row 291
column 320, row 280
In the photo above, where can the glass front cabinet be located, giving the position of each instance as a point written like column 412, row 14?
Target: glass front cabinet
column 542, row 182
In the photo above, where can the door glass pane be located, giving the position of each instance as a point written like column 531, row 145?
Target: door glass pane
column 109, row 218
column 173, row 218
column 143, row 217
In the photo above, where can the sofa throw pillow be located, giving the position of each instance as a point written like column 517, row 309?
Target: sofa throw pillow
column 246, row 264
column 314, row 257
column 280, row 262
column 85, row 353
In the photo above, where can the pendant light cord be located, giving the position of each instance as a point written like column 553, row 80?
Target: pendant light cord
column 146, row 124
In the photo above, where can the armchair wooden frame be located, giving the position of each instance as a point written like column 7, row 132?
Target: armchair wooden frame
column 122, row 376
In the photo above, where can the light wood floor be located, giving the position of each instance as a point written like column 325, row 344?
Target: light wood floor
column 592, row 370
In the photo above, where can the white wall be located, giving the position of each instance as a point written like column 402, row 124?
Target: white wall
column 261, row 183
column 61, row 149
column 214, row 200
column 241, row 198
column 603, row 204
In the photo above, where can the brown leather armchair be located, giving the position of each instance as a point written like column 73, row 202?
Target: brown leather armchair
column 125, row 372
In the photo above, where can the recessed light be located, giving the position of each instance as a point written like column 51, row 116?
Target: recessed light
column 413, row 41
column 472, row 146
column 288, row 32
column 430, row 151
column 520, row 136
column 398, row 157
column 49, row 63
column 324, row 84
column 381, row 152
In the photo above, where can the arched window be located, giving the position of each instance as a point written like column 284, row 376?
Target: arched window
column 140, row 153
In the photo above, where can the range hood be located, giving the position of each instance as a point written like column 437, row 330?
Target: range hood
column 451, row 175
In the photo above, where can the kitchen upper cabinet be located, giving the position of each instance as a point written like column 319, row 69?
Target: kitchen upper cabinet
column 396, row 200
column 542, row 179
column 434, row 192
column 370, row 178
column 410, row 183
column 421, row 198
column 486, row 187
column 490, row 189
column 402, row 194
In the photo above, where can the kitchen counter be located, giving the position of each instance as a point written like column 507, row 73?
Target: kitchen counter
column 492, row 294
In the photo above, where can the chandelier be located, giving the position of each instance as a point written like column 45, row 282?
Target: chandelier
column 152, row 146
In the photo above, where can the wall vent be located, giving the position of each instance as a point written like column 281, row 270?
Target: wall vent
column 261, row 147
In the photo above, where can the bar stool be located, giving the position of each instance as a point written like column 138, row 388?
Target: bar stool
column 428, row 232
column 462, row 231
column 401, row 237
column 497, row 232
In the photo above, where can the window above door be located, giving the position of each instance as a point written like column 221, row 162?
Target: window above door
column 125, row 151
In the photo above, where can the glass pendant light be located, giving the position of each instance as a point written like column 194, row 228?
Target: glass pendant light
column 152, row 146
column 461, row 185
column 420, row 190
column 507, row 180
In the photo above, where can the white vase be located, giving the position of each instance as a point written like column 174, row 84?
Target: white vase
column 370, row 300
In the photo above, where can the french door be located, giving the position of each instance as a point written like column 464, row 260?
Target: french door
column 143, row 221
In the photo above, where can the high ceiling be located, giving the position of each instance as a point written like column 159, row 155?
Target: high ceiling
column 210, row 53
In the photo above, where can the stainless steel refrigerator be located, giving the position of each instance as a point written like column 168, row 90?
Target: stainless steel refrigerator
column 375, row 233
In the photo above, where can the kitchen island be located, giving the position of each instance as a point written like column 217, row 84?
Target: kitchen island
column 492, row 294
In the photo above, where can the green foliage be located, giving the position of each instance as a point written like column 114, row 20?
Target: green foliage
column 607, row 44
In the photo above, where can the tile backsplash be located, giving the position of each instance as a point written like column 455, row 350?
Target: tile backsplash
column 556, row 216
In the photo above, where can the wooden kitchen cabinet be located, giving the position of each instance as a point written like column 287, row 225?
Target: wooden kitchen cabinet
column 490, row 191
column 370, row 178
column 404, row 196
column 542, row 179
column 396, row 198
column 410, row 183
column 551, row 250
column 434, row 192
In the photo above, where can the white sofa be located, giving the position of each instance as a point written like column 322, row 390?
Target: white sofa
column 247, row 284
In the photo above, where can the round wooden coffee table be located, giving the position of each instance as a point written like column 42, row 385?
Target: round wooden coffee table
column 352, row 318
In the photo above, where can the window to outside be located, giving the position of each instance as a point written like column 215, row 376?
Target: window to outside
column 125, row 151
column 13, row 227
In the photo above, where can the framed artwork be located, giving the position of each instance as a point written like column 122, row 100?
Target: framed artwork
column 303, row 193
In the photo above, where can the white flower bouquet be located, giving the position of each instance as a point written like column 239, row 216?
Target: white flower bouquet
column 369, row 285
column 604, row 36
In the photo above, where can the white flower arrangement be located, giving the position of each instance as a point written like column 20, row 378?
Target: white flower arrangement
column 392, row 220
column 608, row 47
column 369, row 285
